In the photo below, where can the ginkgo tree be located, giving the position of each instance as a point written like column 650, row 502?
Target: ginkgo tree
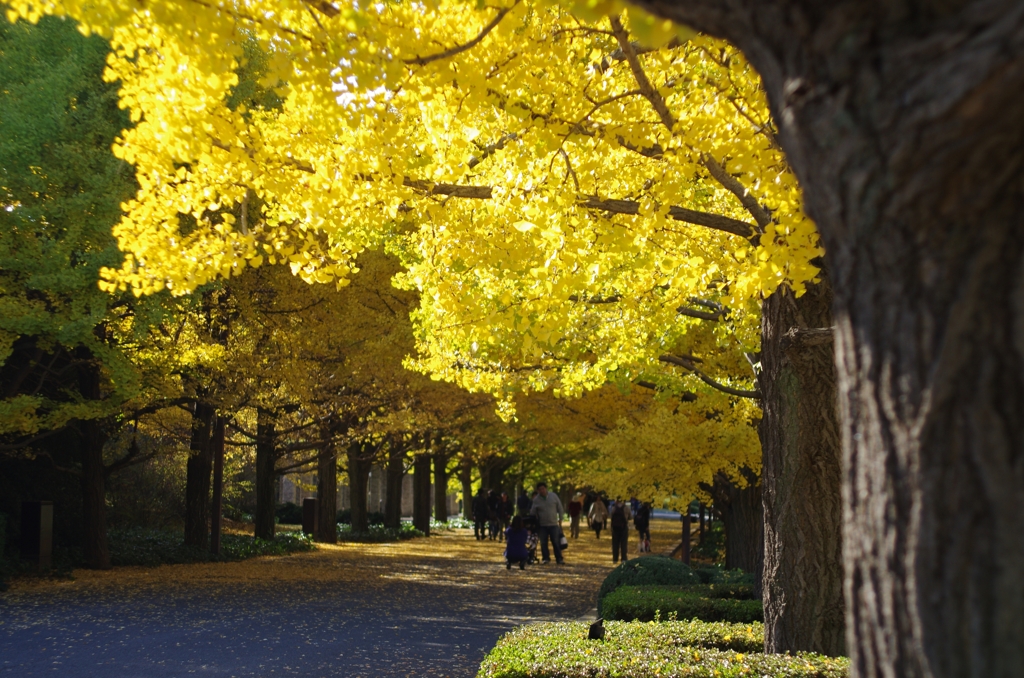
column 561, row 231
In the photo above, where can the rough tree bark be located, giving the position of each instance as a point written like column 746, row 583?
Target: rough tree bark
column 421, row 492
column 440, row 484
column 743, row 515
column 266, row 476
column 198, row 470
column 903, row 122
column 394, row 474
column 359, row 463
column 327, row 489
column 802, row 475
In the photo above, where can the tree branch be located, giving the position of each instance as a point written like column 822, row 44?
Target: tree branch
column 423, row 61
column 688, row 365
column 686, row 396
column 729, row 182
column 716, row 222
column 702, row 315
column 733, row 185
column 797, row 337
column 648, row 90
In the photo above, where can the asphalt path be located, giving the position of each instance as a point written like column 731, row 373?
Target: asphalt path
column 429, row 607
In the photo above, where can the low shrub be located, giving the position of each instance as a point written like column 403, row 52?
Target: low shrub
column 647, row 571
column 709, row 603
column 714, row 574
column 455, row 523
column 151, row 547
column 372, row 518
column 379, row 533
column 289, row 514
column 639, row 650
column 711, row 548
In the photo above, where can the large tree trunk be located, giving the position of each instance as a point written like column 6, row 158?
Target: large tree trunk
column 95, row 546
column 327, row 490
column 266, row 475
column 394, row 474
column 466, row 480
column 802, row 477
column 440, row 486
column 421, row 492
column 903, row 123
column 743, row 516
column 358, row 485
column 198, row 470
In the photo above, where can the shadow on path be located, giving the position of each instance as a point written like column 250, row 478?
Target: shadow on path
column 429, row 607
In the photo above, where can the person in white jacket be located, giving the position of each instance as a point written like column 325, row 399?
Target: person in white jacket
column 598, row 516
column 548, row 509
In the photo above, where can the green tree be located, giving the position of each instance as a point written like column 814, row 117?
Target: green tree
column 70, row 358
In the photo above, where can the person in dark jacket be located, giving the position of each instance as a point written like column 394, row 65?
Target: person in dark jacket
column 575, row 509
column 642, row 523
column 523, row 503
column 493, row 511
column 480, row 514
column 505, row 510
column 515, row 544
column 619, row 516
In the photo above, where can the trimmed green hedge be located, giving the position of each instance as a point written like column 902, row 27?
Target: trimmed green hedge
column 639, row 650
column 713, row 574
column 646, row 571
column 710, row 603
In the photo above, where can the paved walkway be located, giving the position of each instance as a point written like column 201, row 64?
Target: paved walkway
column 429, row 607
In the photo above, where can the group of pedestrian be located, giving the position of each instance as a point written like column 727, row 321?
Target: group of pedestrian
column 492, row 514
column 495, row 517
column 616, row 516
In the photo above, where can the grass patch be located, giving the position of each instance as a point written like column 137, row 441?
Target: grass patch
column 709, row 602
column 639, row 650
column 146, row 547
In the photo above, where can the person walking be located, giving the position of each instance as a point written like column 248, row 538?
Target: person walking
column 575, row 509
column 504, row 514
column 619, row 517
column 547, row 507
column 523, row 503
column 598, row 516
column 515, row 544
column 480, row 514
column 493, row 523
column 642, row 523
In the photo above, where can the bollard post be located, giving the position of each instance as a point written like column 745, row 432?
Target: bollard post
column 37, row 533
column 309, row 515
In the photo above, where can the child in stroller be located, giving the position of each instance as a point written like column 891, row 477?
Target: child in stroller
column 517, row 545
column 532, row 526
